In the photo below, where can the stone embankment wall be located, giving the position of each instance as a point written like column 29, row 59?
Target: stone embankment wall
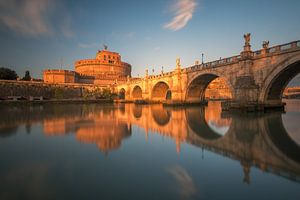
column 46, row 90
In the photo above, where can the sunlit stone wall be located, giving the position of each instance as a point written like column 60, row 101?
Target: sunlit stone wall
column 59, row 76
column 29, row 89
column 218, row 89
column 106, row 69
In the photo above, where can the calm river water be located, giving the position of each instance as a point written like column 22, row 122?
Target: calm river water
column 148, row 152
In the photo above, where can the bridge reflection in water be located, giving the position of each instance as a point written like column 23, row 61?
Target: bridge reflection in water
column 256, row 140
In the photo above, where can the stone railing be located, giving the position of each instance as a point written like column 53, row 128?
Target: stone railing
column 231, row 60
column 283, row 47
column 256, row 54
column 216, row 63
column 135, row 80
column 164, row 74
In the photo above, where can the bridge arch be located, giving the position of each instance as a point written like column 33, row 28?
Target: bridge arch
column 197, row 122
column 275, row 83
column 199, row 82
column 160, row 115
column 160, row 91
column 137, row 111
column 278, row 138
column 122, row 93
column 137, row 92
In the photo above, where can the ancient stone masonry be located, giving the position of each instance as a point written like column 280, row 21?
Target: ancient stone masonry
column 106, row 69
column 27, row 89
column 254, row 79
column 218, row 90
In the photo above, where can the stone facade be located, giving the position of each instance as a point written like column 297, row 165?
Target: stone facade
column 106, row 69
column 60, row 76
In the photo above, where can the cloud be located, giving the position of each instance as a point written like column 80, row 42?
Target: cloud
column 184, row 10
column 26, row 17
column 32, row 17
column 186, row 185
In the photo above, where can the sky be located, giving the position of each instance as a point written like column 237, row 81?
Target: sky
column 51, row 34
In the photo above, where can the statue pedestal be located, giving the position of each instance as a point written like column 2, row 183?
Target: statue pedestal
column 247, row 47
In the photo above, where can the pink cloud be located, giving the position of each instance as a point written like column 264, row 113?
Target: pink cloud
column 184, row 10
column 31, row 17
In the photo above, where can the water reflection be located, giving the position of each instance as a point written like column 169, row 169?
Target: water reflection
column 216, row 120
column 185, row 184
column 254, row 140
column 291, row 120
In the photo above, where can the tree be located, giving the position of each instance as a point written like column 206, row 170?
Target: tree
column 7, row 74
column 27, row 76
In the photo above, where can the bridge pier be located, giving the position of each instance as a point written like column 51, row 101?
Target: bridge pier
column 252, row 106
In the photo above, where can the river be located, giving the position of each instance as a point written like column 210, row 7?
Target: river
column 127, row 151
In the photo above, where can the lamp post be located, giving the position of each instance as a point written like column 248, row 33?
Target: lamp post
column 202, row 58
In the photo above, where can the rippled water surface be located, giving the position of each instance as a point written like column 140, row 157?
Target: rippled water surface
column 148, row 152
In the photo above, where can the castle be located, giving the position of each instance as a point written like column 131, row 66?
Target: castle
column 106, row 69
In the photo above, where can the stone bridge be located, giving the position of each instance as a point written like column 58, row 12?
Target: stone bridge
column 256, row 78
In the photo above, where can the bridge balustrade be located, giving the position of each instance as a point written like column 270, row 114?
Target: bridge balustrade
column 225, row 61
column 286, row 47
column 257, row 52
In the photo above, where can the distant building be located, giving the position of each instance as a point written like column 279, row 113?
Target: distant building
column 218, row 89
column 292, row 93
column 107, row 68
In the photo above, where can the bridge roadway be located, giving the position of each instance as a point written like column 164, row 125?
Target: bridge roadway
column 256, row 79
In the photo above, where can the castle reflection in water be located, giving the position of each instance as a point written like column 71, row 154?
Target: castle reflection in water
column 259, row 140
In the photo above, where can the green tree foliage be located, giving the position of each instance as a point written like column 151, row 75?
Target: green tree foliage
column 7, row 74
column 27, row 76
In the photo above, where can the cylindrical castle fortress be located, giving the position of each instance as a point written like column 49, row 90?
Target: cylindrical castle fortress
column 105, row 69
column 105, row 63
